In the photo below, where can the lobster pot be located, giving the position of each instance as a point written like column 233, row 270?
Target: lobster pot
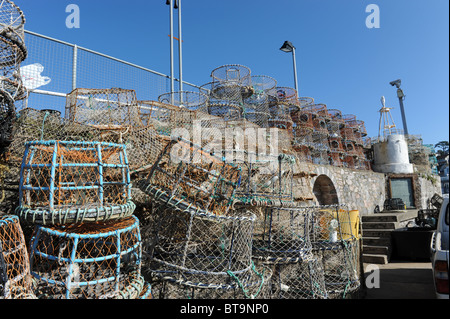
column 297, row 280
column 341, row 268
column 303, row 136
column 348, row 134
column 320, row 125
column 103, row 108
column 253, row 284
column 228, row 111
column 335, row 241
column 143, row 146
column 256, row 109
column 266, row 177
column 282, row 234
column 333, row 223
column 304, row 118
column 88, row 261
column 12, row 24
column 357, row 125
column 303, row 153
column 335, row 158
column 350, row 148
column 335, row 144
column 198, row 248
column 15, row 279
column 227, row 78
column 334, row 128
column 224, row 105
column 185, row 177
column 7, row 117
column 319, row 156
column 280, row 116
column 349, row 161
column 11, row 56
column 322, row 111
column 164, row 118
column 32, row 125
column 358, row 138
column 290, row 97
column 192, row 101
column 320, row 148
column 71, row 182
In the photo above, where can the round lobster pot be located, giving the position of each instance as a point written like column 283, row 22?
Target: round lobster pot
column 231, row 74
column 7, row 116
column 227, row 111
column 298, row 280
column 335, row 144
column 185, row 99
column 335, row 243
column 322, row 111
column 186, row 177
column 88, row 261
column 72, row 182
column 350, row 148
column 347, row 133
column 282, row 234
column 15, row 280
column 320, row 125
column 12, row 22
column 198, row 248
column 254, row 284
column 335, row 158
column 349, row 161
column 303, row 153
column 266, row 177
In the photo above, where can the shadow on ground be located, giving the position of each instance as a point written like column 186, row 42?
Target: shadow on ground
column 400, row 280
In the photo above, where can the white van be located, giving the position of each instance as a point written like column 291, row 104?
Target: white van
column 439, row 252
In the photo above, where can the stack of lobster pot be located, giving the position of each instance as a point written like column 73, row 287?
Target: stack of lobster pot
column 86, row 243
column 12, row 53
column 196, row 245
column 335, row 238
column 281, row 240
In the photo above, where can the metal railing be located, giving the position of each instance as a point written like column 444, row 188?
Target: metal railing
column 54, row 68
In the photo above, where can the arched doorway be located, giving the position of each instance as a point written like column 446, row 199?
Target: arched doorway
column 325, row 191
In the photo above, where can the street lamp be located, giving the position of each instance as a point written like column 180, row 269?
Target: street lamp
column 288, row 47
column 401, row 97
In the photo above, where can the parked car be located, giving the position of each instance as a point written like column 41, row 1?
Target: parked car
column 439, row 252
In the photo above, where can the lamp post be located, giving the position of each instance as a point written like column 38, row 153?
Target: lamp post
column 175, row 4
column 288, row 47
column 401, row 97
column 170, row 2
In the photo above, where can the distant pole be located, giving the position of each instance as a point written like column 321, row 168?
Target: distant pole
column 289, row 47
column 295, row 70
column 171, row 49
column 180, row 46
column 400, row 99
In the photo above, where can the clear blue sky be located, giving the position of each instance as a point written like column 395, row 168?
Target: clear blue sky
column 340, row 61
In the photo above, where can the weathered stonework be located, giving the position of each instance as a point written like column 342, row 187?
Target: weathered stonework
column 359, row 189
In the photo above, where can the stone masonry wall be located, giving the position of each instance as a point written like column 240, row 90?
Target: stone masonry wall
column 360, row 189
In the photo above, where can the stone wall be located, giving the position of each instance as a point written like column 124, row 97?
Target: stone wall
column 359, row 189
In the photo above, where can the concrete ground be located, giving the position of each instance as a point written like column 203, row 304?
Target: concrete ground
column 400, row 280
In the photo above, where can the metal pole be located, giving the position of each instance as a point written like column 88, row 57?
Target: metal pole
column 171, row 50
column 295, row 70
column 400, row 98
column 180, row 46
column 74, row 67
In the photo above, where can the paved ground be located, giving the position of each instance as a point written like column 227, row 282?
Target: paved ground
column 402, row 280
